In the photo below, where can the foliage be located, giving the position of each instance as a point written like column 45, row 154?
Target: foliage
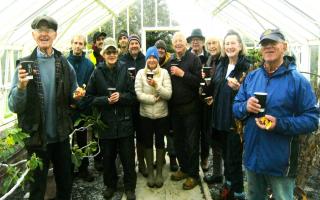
column 86, row 121
column 255, row 57
column 166, row 36
column 12, row 140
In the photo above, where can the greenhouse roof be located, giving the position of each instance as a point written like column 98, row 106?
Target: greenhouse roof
column 299, row 20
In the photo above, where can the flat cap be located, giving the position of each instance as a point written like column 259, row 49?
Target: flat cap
column 44, row 20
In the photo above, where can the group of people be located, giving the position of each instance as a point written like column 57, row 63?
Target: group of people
column 195, row 97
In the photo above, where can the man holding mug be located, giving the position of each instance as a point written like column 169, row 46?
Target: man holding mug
column 271, row 151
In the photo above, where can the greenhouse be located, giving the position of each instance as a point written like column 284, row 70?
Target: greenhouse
column 151, row 20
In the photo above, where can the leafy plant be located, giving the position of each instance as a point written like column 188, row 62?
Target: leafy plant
column 86, row 121
column 17, row 173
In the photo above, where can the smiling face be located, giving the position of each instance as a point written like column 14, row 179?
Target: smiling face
column 134, row 48
column 197, row 44
column 232, row 46
column 44, row 38
column 272, row 51
column 179, row 43
column 152, row 62
column 213, row 46
column 110, row 55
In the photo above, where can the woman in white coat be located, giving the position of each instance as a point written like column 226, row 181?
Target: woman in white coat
column 153, row 89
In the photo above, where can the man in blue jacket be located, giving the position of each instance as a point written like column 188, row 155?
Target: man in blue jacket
column 83, row 68
column 271, row 152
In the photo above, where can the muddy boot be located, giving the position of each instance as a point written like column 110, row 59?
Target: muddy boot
column 159, row 156
column 141, row 163
column 149, row 158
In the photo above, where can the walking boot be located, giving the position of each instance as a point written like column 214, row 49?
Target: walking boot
column 141, row 163
column 159, row 178
column 149, row 158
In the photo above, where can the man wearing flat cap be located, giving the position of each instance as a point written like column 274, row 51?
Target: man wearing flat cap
column 97, row 44
column 42, row 104
column 271, row 137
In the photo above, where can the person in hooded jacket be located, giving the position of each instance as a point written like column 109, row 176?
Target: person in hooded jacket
column 224, row 85
column 271, row 150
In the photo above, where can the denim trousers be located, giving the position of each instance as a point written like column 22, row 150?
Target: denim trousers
column 186, row 140
column 282, row 187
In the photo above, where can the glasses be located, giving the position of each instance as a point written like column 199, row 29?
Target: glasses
column 109, row 52
column 44, row 30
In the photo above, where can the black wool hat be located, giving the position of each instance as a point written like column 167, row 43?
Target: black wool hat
column 122, row 33
column 98, row 34
column 161, row 44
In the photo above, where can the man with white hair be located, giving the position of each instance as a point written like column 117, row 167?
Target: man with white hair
column 185, row 70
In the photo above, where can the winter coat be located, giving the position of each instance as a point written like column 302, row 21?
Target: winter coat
column 292, row 102
column 118, row 116
column 147, row 95
column 185, row 89
column 223, row 95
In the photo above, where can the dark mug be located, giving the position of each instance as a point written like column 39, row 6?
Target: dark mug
column 28, row 66
column 262, row 97
column 111, row 90
column 206, row 71
column 202, row 85
column 132, row 71
column 150, row 75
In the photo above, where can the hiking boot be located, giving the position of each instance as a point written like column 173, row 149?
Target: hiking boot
column 130, row 195
column 178, row 176
column 213, row 179
column 109, row 192
column 190, row 183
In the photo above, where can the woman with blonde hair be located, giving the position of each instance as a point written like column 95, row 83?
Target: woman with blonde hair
column 153, row 89
column 225, row 84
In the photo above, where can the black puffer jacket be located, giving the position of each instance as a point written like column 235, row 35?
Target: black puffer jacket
column 117, row 117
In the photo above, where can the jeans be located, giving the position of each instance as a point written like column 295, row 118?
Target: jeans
column 125, row 147
column 282, row 187
column 186, row 139
column 60, row 155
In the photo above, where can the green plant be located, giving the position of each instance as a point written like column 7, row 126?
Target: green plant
column 86, row 122
column 19, row 172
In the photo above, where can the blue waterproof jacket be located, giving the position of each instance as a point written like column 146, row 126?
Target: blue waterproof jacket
column 291, row 100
